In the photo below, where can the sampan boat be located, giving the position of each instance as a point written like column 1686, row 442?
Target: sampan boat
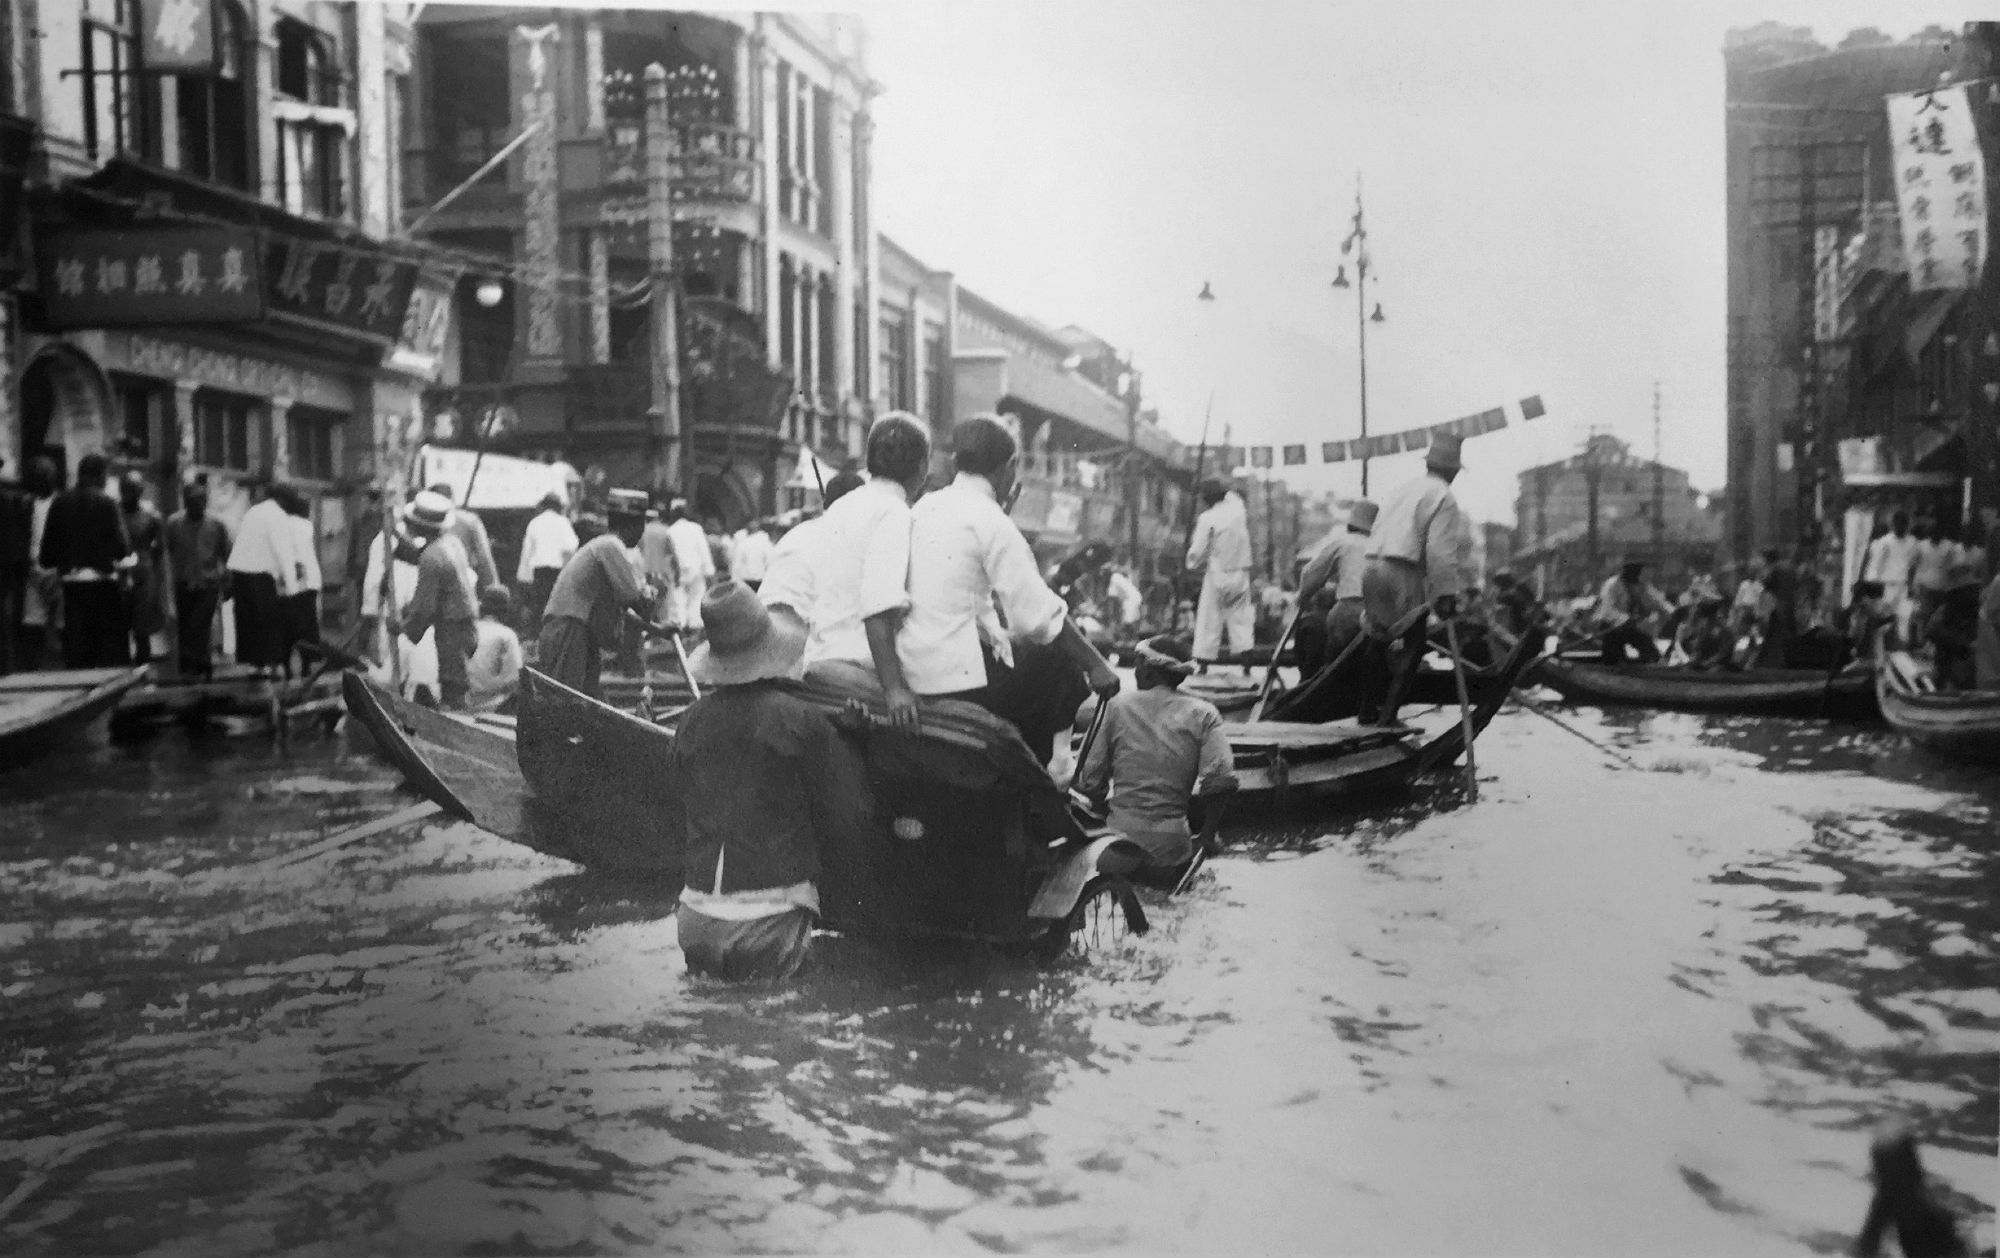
column 1961, row 723
column 461, row 762
column 1304, row 749
column 964, row 835
column 39, row 711
column 1847, row 695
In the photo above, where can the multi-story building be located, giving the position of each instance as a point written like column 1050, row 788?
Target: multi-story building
column 216, row 282
column 1576, row 518
column 1809, row 168
column 768, row 252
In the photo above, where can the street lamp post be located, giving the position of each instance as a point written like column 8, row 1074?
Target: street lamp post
column 1357, row 244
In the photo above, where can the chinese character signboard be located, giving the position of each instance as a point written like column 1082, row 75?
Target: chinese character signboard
column 356, row 290
column 94, row 279
column 419, row 349
column 1940, row 187
column 1826, row 284
column 180, row 36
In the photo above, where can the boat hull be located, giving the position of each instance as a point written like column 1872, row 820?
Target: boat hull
column 1755, row 692
column 1963, row 725
column 39, row 711
column 463, row 765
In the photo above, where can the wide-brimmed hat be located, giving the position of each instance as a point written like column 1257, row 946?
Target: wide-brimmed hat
column 744, row 644
column 1444, row 452
column 1361, row 516
column 628, row 504
column 428, row 513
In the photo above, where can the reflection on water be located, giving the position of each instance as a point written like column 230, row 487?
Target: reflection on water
column 1602, row 1010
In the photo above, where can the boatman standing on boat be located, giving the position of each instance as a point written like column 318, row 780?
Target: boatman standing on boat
column 765, row 780
column 586, row 610
column 1338, row 567
column 1220, row 551
column 967, row 559
column 442, row 600
column 1419, row 555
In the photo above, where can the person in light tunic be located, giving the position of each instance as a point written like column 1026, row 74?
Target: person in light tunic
column 1220, row 551
column 260, row 575
column 789, row 583
column 969, row 567
column 586, row 610
column 1331, row 587
column 546, row 545
column 1419, row 555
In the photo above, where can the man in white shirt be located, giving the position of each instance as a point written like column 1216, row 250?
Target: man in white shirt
column 859, row 555
column 694, row 560
column 1931, row 574
column 546, row 546
column 1892, row 558
column 1419, row 554
column 262, row 572
column 1220, row 551
column 966, row 558
column 751, row 557
column 788, row 580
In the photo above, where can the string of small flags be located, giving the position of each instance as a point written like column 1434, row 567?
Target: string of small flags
column 1379, row 446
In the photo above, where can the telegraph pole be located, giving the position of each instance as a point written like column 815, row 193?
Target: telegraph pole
column 1659, row 487
column 665, row 440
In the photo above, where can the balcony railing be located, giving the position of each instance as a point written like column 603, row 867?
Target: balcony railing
column 710, row 162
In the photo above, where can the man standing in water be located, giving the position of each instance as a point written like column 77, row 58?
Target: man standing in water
column 197, row 555
column 765, row 779
column 1220, row 551
column 1421, row 555
column 85, row 544
column 587, row 606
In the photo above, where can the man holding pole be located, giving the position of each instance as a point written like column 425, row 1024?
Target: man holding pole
column 1419, row 558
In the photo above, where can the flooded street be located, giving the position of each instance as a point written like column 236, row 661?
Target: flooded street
column 1647, row 1003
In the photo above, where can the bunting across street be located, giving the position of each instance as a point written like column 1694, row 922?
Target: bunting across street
column 1382, row 444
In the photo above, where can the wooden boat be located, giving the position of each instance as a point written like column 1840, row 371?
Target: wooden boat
column 967, row 837
column 1961, row 723
column 1285, row 760
column 1751, row 692
column 40, row 710
column 236, row 699
column 463, row 763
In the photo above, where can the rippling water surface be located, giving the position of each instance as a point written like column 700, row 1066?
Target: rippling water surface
column 1646, row 1005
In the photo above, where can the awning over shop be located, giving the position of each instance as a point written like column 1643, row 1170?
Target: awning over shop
column 503, row 483
column 325, row 278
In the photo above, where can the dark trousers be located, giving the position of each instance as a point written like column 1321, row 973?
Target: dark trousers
column 194, row 610
column 1388, row 668
column 456, row 641
column 541, row 584
column 12, row 590
column 567, row 652
column 96, row 627
column 301, row 617
column 1629, row 635
column 1038, row 696
column 761, row 948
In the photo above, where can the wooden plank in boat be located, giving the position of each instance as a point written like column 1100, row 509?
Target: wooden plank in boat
column 1300, row 735
column 68, row 680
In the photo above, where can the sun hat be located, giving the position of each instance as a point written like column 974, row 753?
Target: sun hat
column 629, row 504
column 744, row 644
column 1361, row 516
column 428, row 513
column 1444, row 453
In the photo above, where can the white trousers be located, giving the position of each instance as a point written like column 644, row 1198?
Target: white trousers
column 1224, row 609
column 687, row 601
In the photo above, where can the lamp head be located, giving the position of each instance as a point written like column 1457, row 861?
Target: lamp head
column 1378, row 316
column 1340, row 277
column 489, row 292
column 1207, row 292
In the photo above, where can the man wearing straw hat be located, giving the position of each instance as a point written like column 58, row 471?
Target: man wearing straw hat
column 1419, row 555
column 765, row 779
column 586, row 608
column 443, row 597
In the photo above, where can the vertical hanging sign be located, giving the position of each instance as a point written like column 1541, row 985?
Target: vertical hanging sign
column 541, row 235
column 1940, row 187
column 179, row 36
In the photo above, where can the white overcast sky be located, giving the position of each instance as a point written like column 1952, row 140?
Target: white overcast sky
column 1544, row 190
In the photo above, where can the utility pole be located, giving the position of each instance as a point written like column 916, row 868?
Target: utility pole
column 1659, row 487
column 665, row 438
column 1357, row 243
column 1132, row 467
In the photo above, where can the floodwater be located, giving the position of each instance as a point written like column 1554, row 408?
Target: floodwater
column 1644, row 1001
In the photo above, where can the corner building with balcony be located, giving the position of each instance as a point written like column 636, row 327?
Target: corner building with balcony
column 773, row 256
column 198, row 230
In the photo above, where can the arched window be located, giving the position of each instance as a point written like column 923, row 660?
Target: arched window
column 313, row 123
column 212, row 110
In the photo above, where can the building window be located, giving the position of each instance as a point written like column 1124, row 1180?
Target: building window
column 313, row 440
column 861, row 356
column 313, row 126
column 787, row 181
column 788, row 289
column 113, row 90
column 821, row 159
column 226, row 431
column 142, row 413
column 469, row 103
column 829, row 381
column 893, row 334
column 934, row 374
column 211, row 110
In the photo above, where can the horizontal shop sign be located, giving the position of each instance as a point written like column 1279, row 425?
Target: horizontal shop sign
column 151, row 275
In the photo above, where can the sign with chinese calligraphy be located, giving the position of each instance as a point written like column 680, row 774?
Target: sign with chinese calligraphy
column 179, row 35
column 1827, row 283
column 419, row 349
column 353, row 289
column 1940, row 187
column 150, row 275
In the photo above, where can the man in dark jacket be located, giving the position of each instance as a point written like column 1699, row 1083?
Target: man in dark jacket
column 85, row 544
column 17, row 526
column 197, row 559
column 764, row 780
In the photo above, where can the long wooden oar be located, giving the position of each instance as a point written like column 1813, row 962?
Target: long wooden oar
column 1271, row 673
column 1464, row 708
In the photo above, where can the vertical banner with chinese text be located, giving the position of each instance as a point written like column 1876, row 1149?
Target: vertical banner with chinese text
column 1940, row 187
